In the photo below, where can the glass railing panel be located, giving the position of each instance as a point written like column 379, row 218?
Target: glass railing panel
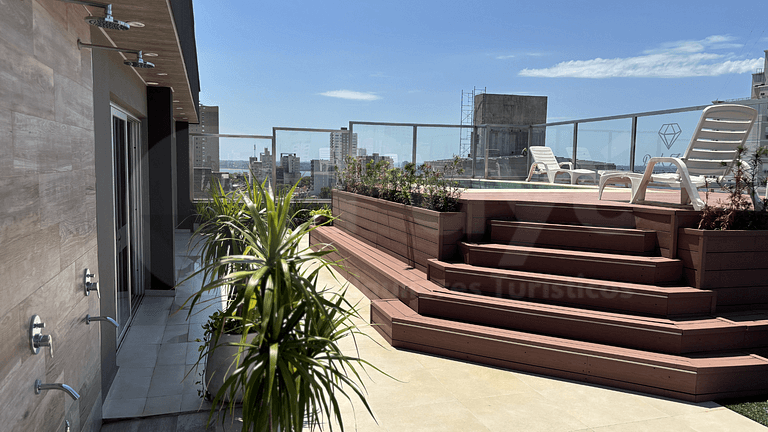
column 663, row 135
column 394, row 142
column 604, row 145
column 303, row 158
column 437, row 147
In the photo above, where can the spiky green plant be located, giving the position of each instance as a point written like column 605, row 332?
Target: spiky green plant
column 293, row 372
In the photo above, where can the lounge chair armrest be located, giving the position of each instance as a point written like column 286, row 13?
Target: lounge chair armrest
column 569, row 164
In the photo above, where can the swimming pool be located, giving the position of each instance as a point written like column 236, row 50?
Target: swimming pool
column 512, row 184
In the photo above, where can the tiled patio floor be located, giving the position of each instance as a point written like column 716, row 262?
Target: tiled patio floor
column 429, row 394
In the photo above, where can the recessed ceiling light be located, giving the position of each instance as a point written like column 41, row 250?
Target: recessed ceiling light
column 135, row 24
column 179, row 108
column 150, row 54
column 175, row 100
column 162, row 74
column 181, row 113
column 151, row 83
column 184, row 118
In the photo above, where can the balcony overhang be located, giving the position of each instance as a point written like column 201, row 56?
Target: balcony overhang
column 160, row 43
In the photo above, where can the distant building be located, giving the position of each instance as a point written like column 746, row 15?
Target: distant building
column 261, row 168
column 322, row 175
column 204, row 152
column 342, row 146
column 502, row 109
column 376, row 158
column 758, row 137
column 291, row 167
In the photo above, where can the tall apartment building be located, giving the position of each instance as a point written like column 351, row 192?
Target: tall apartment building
column 261, row 168
column 758, row 137
column 204, row 155
column 342, row 146
column 290, row 164
column 322, row 175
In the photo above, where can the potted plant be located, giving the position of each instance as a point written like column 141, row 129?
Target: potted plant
column 321, row 216
column 287, row 363
column 727, row 251
column 411, row 212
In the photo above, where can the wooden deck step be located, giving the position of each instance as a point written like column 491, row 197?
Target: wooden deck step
column 694, row 378
column 377, row 275
column 595, row 239
column 639, row 299
column 574, row 214
column 593, row 265
column 660, row 335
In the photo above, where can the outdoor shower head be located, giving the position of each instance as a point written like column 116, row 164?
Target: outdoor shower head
column 107, row 21
column 139, row 63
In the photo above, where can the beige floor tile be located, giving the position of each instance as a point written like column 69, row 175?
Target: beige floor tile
column 472, row 381
column 436, row 417
column 666, row 424
column 674, row 407
column 599, row 406
column 522, row 412
column 721, row 420
column 414, row 388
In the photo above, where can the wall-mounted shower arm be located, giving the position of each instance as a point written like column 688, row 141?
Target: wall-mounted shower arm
column 81, row 44
column 39, row 387
column 139, row 63
column 89, row 318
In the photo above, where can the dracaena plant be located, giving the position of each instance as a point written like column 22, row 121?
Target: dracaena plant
column 291, row 371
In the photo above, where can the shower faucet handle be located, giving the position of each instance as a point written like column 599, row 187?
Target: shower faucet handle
column 41, row 340
column 89, row 285
column 92, row 286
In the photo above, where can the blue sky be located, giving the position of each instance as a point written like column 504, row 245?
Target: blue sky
column 322, row 64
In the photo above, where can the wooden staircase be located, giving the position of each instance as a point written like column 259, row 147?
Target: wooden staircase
column 590, row 303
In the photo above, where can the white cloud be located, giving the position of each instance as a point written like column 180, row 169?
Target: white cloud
column 504, row 57
column 349, row 94
column 671, row 60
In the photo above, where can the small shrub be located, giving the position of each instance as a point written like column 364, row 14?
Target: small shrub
column 420, row 186
column 743, row 209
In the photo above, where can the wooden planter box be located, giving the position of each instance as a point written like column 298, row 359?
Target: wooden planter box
column 734, row 263
column 411, row 234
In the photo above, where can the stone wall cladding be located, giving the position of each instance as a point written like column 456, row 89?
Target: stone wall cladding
column 48, row 218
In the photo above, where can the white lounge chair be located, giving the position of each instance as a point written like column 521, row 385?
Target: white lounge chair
column 711, row 154
column 545, row 162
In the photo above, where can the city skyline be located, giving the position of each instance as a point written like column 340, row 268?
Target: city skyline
column 320, row 65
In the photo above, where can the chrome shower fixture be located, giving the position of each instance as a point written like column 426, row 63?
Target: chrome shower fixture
column 139, row 63
column 89, row 318
column 39, row 387
column 107, row 22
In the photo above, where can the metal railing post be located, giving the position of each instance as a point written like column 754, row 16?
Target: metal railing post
column 575, row 143
column 474, row 151
column 528, row 150
column 485, row 147
column 413, row 155
column 633, row 145
column 274, row 162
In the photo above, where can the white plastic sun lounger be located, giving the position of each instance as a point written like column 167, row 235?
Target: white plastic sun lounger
column 711, row 154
